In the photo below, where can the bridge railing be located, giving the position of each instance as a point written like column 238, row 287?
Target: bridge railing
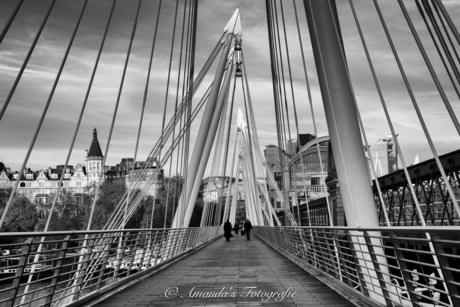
column 60, row 268
column 387, row 266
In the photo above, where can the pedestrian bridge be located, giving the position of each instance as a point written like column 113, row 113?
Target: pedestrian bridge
column 388, row 266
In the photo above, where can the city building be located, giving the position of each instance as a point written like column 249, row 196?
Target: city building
column 384, row 157
column 309, row 170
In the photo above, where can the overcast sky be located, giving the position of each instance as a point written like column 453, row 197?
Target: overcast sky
column 21, row 118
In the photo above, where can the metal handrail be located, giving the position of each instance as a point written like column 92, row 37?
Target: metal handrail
column 386, row 266
column 75, row 264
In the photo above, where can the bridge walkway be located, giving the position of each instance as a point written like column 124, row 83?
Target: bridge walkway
column 235, row 273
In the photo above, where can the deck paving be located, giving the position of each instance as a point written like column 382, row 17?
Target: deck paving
column 235, row 273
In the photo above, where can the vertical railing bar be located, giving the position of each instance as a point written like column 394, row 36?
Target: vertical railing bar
column 359, row 274
column 20, row 270
column 105, row 259
column 375, row 263
column 443, row 263
column 82, row 273
column 403, row 269
column 57, row 270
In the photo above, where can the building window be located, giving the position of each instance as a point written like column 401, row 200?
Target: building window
column 78, row 184
column 29, row 184
column 41, row 184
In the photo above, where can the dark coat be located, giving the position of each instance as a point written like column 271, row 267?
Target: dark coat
column 227, row 229
column 247, row 226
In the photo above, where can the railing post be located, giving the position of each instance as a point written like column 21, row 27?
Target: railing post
column 131, row 263
column 404, row 270
column 144, row 250
column 359, row 272
column 20, row 270
column 377, row 268
column 57, row 270
column 105, row 259
column 82, row 272
column 120, row 254
column 444, row 264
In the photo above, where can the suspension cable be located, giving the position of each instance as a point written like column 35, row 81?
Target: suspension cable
column 133, row 32
column 377, row 183
column 10, row 20
column 446, row 51
column 24, row 64
column 446, row 102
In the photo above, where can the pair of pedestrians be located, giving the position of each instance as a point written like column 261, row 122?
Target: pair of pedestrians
column 228, row 230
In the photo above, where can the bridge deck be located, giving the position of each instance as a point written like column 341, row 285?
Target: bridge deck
column 238, row 270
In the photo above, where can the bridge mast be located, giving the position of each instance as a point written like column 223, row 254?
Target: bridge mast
column 341, row 114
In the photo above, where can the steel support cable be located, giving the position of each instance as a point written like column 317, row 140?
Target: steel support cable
column 218, row 159
column 37, row 130
column 286, row 108
column 377, row 183
column 175, row 108
column 280, row 114
column 190, row 83
column 167, row 95
column 56, row 81
column 26, row 61
column 251, row 118
column 225, row 152
column 430, row 68
column 144, row 100
column 279, row 70
column 189, row 87
column 411, row 187
column 250, row 148
column 452, row 26
column 10, row 20
column 174, row 120
column 87, row 94
column 443, row 45
column 441, row 39
column 133, row 32
column 282, row 92
column 446, row 102
column 159, row 145
column 117, row 210
column 232, row 171
column 445, row 30
column 293, row 97
column 180, row 148
column 310, row 100
column 274, row 80
column 180, row 151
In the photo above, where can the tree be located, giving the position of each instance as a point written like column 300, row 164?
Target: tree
column 110, row 195
column 68, row 212
column 167, row 195
column 21, row 216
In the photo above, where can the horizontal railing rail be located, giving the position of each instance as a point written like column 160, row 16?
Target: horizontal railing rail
column 386, row 266
column 59, row 268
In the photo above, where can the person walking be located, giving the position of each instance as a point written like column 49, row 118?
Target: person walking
column 236, row 227
column 247, row 229
column 227, row 230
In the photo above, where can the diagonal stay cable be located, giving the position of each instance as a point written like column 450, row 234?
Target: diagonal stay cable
column 10, row 20
column 26, row 60
column 133, row 32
